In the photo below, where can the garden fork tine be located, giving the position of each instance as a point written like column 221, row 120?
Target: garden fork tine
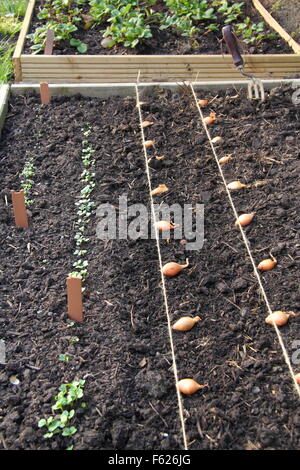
column 255, row 86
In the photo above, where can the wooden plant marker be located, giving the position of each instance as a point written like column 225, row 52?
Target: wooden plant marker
column 44, row 92
column 19, row 208
column 49, row 42
column 74, row 293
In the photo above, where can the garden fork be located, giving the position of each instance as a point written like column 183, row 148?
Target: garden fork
column 255, row 86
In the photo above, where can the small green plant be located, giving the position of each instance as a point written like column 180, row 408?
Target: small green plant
column 63, row 18
column 252, row 32
column 68, row 396
column 85, row 206
column 64, row 357
column 26, row 179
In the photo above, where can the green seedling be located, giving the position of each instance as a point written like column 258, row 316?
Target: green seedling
column 63, row 357
column 68, row 396
column 27, row 182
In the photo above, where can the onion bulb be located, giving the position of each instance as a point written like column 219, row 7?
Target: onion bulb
column 189, row 386
column 297, row 378
column 236, row 185
column 161, row 188
column 203, row 103
column 172, row 268
column 279, row 318
column 267, row 264
column 147, row 123
column 244, row 219
column 149, row 143
column 217, row 140
column 210, row 119
column 164, row 225
column 185, row 323
column 225, row 159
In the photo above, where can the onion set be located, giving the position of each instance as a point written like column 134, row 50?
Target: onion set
column 235, row 185
column 147, row 123
column 189, row 386
column 164, row 225
column 203, row 103
column 279, row 317
column 149, row 143
column 244, row 219
column 185, row 323
column 225, row 159
column 217, row 140
column 161, row 188
column 210, row 119
column 267, row 264
column 172, row 269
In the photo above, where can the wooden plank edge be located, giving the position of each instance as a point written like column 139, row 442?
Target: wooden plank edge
column 155, row 59
column 21, row 41
column 112, row 80
column 276, row 26
column 125, row 89
column 4, row 95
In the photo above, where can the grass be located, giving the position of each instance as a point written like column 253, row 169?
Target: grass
column 17, row 8
column 11, row 14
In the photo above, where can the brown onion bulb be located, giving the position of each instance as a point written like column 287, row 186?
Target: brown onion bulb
column 210, row 119
column 203, row 103
column 149, row 143
column 164, row 225
column 297, row 378
column 225, row 159
column 172, row 268
column 161, row 188
column 217, row 140
column 244, row 219
column 279, row 318
column 189, row 386
column 267, row 264
column 236, row 185
column 147, row 123
column 185, row 323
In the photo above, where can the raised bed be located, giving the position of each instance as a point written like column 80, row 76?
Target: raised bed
column 124, row 349
column 126, row 68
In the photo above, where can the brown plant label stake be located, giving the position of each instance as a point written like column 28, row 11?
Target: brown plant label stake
column 74, row 293
column 19, row 208
column 49, row 42
column 44, row 92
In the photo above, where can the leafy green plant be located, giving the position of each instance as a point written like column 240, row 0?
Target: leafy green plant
column 252, row 32
column 62, row 17
column 68, row 396
column 26, row 179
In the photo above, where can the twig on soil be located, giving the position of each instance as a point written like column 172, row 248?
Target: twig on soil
column 232, row 303
column 227, row 244
column 131, row 317
column 154, row 409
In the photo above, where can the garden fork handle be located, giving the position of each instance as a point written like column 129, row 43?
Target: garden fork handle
column 232, row 45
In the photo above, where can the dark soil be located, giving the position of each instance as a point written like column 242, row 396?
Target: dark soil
column 165, row 42
column 123, row 351
column 287, row 13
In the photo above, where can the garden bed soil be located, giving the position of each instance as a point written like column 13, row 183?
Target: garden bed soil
column 163, row 42
column 287, row 13
column 123, row 347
